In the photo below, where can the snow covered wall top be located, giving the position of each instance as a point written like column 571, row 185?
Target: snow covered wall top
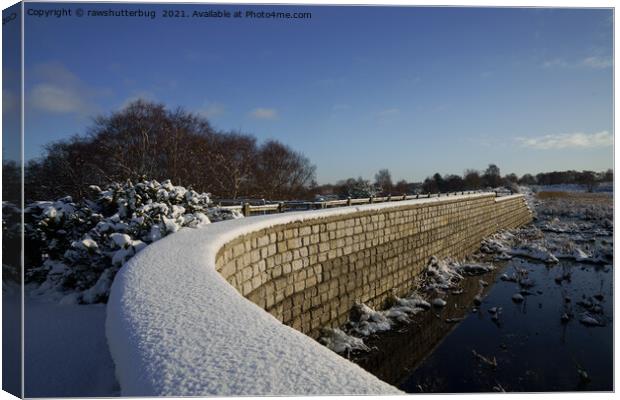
column 177, row 326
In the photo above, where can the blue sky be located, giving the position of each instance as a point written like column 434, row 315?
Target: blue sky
column 356, row 89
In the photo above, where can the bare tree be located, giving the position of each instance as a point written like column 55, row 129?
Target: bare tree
column 231, row 161
column 147, row 140
column 491, row 176
column 527, row 179
column 471, row 179
column 282, row 173
column 402, row 187
column 11, row 182
column 453, row 183
column 383, row 181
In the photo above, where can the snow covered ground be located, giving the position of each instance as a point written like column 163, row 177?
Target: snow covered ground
column 66, row 352
column 11, row 337
column 574, row 187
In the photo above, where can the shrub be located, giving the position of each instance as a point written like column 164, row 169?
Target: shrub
column 74, row 249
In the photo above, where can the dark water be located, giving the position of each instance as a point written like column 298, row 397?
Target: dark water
column 535, row 351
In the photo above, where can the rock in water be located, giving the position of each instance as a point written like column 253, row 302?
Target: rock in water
column 588, row 320
column 508, row 278
column 485, row 360
column 517, row 298
column 438, row 302
column 583, row 375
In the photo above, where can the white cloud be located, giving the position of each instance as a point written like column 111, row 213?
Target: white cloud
column 264, row 113
column 556, row 62
column 597, row 62
column 211, row 110
column 389, row 111
column 52, row 98
column 58, row 90
column 568, row 141
column 594, row 62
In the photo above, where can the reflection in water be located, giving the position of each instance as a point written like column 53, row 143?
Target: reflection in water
column 557, row 337
column 401, row 351
column 534, row 348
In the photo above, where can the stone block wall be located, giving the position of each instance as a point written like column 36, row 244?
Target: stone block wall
column 308, row 274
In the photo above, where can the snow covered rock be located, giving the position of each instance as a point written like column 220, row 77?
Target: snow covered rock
column 441, row 274
column 438, row 302
column 534, row 251
column 365, row 321
column 341, row 343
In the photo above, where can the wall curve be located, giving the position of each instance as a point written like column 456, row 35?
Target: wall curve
column 186, row 316
column 309, row 273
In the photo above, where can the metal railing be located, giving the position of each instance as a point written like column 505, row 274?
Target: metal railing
column 247, row 208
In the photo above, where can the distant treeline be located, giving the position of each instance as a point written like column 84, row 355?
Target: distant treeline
column 146, row 140
column 470, row 180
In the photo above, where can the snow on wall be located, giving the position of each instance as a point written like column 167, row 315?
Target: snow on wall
column 175, row 326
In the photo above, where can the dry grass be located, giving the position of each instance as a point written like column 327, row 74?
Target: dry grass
column 580, row 197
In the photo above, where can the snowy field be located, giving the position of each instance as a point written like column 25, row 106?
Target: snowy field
column 66, row 352
column 604, row 187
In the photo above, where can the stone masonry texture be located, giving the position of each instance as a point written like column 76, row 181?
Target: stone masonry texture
column 308, row 274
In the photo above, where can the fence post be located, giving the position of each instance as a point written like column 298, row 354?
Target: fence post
column 405, row 196
column 348, row 200
column 246, row 209
column 370, row 199
column 280, row 207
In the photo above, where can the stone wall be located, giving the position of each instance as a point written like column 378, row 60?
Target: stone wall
column 308, row 274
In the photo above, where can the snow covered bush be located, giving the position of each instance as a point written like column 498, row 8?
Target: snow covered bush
column 11, row 242
column 75, row 249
